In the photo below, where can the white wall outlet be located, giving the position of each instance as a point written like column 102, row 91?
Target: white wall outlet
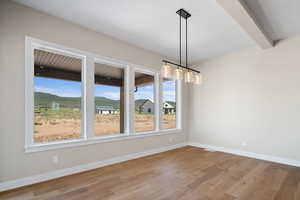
column 244, row 144
column 171, row 140
column 55, row 159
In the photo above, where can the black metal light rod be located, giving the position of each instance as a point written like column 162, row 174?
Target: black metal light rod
column 179, row 39
column 187, row 68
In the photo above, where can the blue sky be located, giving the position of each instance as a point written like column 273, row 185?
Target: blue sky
column 169, row 91
column 73, row 89
column 146, row 92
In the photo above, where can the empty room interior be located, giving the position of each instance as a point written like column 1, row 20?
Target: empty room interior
column 149, row 100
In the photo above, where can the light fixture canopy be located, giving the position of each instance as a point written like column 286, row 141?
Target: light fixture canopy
column 182, row 72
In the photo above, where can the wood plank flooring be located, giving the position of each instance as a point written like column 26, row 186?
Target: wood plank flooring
column 185, row 173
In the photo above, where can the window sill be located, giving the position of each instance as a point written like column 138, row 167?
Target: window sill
column 97, row 139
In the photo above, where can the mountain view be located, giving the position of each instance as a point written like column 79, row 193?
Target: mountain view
column 46, row 99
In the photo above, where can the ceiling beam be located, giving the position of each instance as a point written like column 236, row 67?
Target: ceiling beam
column 144, row 81
column 62, row 74
column 240, row 12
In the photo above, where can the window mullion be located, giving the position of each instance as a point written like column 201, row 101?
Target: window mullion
column 160, row 102
column 131, row 101
column 127, row 117
column 157, row 102
column 179, row 104
column 88, row 100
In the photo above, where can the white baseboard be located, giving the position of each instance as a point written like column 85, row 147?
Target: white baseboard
column 275, row 159
column 8, row 185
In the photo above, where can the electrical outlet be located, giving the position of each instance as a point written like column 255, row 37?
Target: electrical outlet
column 244, row 144
column 55, row 159
column 171, row 140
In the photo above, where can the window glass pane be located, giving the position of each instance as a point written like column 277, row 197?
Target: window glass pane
column 169, row 104
column 109, row 100
column 57, row 97
column 144, row 102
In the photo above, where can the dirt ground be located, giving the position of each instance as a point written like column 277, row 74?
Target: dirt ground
column 62, row 129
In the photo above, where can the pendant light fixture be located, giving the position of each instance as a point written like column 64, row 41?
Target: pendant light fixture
column 188, row 77
column 181, row 72
column 198, row 79
column 178, row 74
column 166, row 71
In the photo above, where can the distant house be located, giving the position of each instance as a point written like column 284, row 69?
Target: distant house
column 105, row 110
column 169, row 107
column 55, row 106
column 144, row 106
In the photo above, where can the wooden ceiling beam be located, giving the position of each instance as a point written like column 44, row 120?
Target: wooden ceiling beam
column 62, row 74
column 144, row 80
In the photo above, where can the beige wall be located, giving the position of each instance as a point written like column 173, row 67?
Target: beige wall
column 250, row 96
column 16, row 22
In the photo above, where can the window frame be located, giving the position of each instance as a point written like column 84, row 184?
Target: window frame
column 178, row 97
column 87, row 102
column 156, row 89
column 29, row 89
column 125, row 67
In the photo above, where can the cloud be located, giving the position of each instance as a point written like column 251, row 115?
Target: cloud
column 170, row 85
column 148, row 87
column 144, row 95
column 111, row 95
column 62, row 92
column 146, row 92
column 169, row 95
column 44, row 89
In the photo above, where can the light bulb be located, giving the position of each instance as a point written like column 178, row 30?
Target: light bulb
column 166, row 71
column 188, row 77
column 178, row 74
column 198, row 79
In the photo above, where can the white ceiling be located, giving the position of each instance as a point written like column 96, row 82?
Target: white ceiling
column 153, row 25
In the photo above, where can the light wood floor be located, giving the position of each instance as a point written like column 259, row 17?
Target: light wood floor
column 185, row 173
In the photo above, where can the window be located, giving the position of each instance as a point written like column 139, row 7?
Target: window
column 169, row 104
column 74, row 97
column 57, row 97
column 109, row 100
column 144, row 102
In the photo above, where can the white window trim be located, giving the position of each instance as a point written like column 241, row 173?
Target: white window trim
column 87, row 132
column 96, row 140
column 120, row 65
column 30, row 45
column 155, row 74
column 178, row 104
